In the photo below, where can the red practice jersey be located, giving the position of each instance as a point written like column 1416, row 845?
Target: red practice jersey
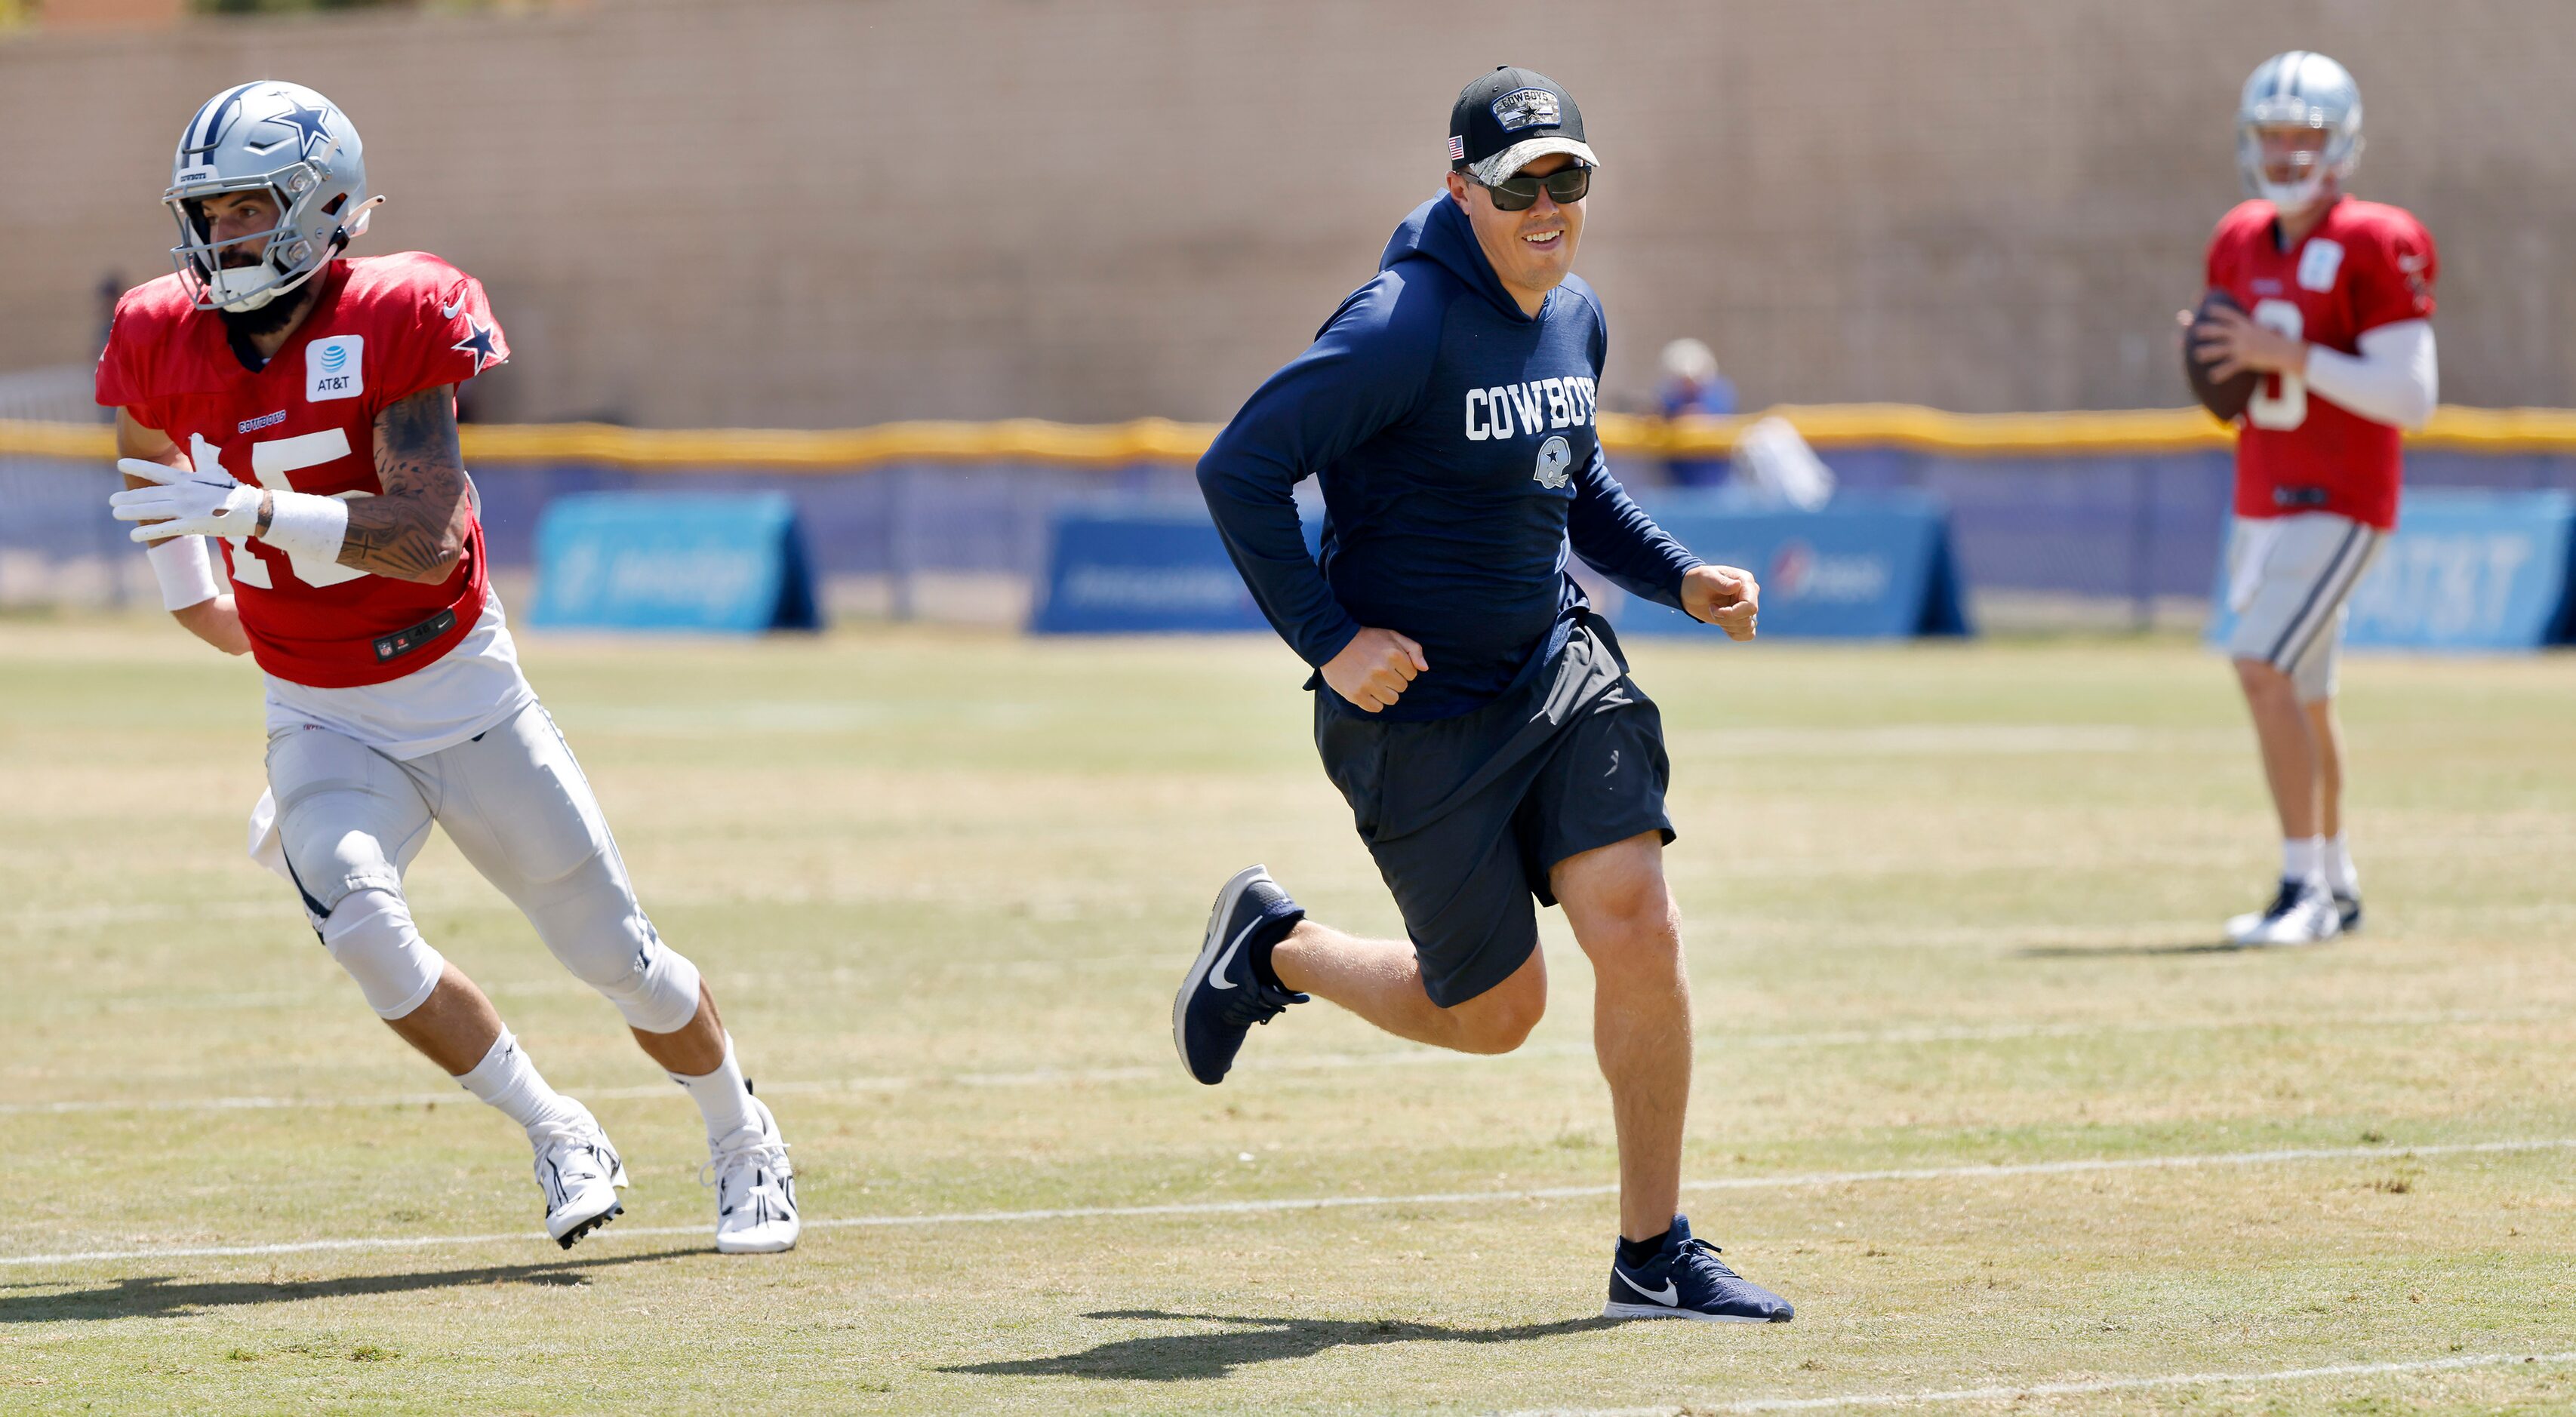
column 382, row 328
column 2364, row 266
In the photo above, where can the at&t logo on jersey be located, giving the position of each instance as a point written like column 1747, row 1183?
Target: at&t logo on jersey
column 335, row 368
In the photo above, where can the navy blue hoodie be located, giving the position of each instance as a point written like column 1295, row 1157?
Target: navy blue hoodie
column 1453, row 436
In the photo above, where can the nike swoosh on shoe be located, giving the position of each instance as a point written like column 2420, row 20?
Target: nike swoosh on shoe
column 1671, row 1293
column 1216, row 971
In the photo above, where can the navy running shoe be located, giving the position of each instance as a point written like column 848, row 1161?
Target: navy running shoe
column 1220, row 1000
column 1686, row 1280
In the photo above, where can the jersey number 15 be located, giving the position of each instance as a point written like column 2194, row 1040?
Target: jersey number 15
column 271, row 461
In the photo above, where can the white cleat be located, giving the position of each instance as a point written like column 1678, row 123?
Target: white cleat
column 580, row 1174
column 2302, row 914
column 755, row 1188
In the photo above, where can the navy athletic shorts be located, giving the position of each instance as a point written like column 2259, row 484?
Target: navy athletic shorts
column 1466, row 815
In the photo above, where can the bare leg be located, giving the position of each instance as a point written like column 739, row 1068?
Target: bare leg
column 1624, row 917
column 454, row 1027
column 696, row 1049
column 2327, row 734
column 2290, row 749
column 1381, row 981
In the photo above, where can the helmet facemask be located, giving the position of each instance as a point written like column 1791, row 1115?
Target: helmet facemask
column 287, row 255
column 2314, row 169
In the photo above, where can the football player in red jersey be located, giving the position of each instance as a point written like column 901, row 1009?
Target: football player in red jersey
column 298, row 405
column 2337, row 302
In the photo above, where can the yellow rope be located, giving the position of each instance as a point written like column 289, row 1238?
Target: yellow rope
column 1030, row 440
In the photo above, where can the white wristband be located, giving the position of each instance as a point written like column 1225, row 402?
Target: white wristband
column 305, row 526
column 186, row 574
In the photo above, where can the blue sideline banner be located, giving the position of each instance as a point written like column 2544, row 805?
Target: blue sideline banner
column 1141, row 568
column 1863, row 567
column 2466, row 570
column 673, row 561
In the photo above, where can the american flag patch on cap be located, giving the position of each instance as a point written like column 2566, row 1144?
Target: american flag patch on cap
column 1457, row 148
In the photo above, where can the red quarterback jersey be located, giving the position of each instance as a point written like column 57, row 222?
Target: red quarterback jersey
column 2365, row 265
column 382, row 328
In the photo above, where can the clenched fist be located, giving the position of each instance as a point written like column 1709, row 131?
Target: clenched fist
column 1375, row 668
column 1722, row 596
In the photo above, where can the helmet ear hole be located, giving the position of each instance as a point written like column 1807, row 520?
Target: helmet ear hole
column 332, row 207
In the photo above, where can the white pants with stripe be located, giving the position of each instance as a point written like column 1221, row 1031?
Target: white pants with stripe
column 2289, row 581
column 343, row 822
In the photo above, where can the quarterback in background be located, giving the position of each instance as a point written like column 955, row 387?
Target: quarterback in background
column 299, row 406
column 2333, row 302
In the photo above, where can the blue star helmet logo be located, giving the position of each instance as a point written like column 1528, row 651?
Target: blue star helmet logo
column 480, row 341
column 312, row 137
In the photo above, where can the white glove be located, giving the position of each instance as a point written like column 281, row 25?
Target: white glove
column 186, row 503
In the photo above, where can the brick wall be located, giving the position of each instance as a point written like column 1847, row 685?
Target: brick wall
column 840, row 211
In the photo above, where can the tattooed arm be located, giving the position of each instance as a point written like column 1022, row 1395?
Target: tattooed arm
column 415, row 531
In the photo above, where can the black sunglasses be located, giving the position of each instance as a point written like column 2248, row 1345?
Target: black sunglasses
column 1519, row 194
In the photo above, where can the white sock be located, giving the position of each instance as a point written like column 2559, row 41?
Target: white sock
column 510, row 1084
column 2341, row 878
column 721, row 1096
column 2303, row 859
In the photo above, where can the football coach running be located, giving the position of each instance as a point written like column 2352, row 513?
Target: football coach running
column 1468, row 704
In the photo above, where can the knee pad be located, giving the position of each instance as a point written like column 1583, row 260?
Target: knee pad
column 657, row 989
column 347, row 819
column 370, row 932
column 665, row 993
column 592, row 923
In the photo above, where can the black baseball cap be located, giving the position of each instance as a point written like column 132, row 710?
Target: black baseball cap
column 1509, row 117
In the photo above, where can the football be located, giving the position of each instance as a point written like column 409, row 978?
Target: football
column 2226, row 399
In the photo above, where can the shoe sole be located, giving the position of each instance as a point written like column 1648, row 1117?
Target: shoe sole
column 580, row 1228
column 1658, row 1311
column 2246, row 938
column 2262, row 944
column 765, row 1247
column 1210, row 946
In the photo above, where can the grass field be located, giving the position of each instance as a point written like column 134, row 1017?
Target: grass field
column 1973, row 1089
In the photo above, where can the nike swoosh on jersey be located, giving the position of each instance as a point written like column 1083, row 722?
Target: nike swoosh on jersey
column 1671, row 1295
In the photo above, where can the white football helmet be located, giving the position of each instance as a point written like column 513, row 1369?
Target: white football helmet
column 282, row 139
column 2299, row 89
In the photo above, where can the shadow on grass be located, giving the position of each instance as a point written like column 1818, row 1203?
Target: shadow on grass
column 2217, row 947
column 158, row 1296
column 1181, row 1357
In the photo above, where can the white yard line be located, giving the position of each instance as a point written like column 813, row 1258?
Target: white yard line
column 1791, row 1181
column 1312, row 1062
column 2067, row 1389
column 1939, row 740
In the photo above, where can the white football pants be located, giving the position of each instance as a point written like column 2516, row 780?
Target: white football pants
column 350, row 820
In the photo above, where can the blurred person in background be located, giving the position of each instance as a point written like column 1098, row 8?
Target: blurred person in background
column 1692, row 386
column 299, row 406
column 1475, row 714
column 2335, row 305
column 111, row 288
